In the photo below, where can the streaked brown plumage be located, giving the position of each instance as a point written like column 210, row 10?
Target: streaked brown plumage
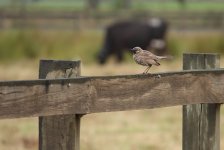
column 146, row 58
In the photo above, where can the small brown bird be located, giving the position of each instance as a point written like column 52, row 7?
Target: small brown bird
column 146, row 58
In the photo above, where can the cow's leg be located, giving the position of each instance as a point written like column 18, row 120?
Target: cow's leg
column 103, row 55
column 106, row 50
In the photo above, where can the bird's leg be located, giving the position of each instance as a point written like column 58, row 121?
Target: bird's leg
column 147, row 69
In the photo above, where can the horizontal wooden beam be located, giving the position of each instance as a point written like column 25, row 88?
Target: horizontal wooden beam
column 109, row 93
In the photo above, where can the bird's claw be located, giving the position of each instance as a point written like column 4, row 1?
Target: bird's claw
column 158, row 76
column 146, row 73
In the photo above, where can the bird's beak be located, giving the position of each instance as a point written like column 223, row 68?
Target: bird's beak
column 132, row 51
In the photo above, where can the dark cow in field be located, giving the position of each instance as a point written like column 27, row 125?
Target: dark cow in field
column 126, row 35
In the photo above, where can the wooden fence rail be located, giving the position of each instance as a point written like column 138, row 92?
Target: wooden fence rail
column 60, row 102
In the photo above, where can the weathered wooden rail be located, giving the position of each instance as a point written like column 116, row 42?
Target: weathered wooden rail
column 60, row 102
column 101, row 94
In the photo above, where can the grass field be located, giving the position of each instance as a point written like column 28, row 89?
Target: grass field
column 85, row 44
column 131, row 130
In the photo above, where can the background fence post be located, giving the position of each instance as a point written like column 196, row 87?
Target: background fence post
column 201, row 122
column 59, row 132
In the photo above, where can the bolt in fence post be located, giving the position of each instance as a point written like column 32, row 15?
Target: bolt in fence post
column 59, row 132
column 201, row 122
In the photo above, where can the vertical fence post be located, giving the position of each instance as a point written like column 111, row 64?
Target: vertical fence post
column 59, row 132
column 201, row 122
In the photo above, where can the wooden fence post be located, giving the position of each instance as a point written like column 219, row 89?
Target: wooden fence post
column 59, row 132
column 201, row 122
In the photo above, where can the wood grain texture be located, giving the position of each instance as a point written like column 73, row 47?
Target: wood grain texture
column 201, row 121
column 116, row 93
column 59, row 132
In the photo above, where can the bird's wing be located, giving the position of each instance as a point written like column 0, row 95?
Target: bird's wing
column 146, row 60
column 150, row 55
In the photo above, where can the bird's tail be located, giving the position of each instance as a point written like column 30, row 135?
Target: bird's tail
column 165, row 57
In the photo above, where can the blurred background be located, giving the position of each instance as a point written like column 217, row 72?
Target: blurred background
column 99, row 32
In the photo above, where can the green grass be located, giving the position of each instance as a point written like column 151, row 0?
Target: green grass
column 202, row 42
column 57, row 6
column 77, row 5
column 36, row 44
column 174, row 6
